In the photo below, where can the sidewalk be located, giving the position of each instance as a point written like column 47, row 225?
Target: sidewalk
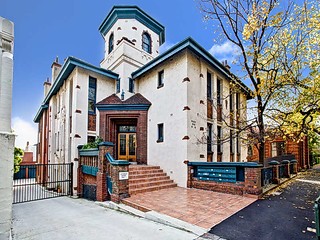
column 287, row 213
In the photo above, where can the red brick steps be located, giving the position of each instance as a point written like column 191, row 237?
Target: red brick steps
column 148, row 178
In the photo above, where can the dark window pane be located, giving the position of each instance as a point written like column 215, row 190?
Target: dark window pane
column 127, row 128
column 146, row 42
column 209, row 86
column 91, row 106
column 160, row 132
column 110, row 43
column 92, row 93
column 123, row 150
column 160, row 78
column 132, row 144
column 209, row 137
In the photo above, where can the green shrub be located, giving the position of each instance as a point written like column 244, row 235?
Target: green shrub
column 94, row 144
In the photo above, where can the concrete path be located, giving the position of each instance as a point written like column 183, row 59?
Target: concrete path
column 67, row 218
column 287, row 214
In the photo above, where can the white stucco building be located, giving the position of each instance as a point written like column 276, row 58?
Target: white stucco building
column 158, row 109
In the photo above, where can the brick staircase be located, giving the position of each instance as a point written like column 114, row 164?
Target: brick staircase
column 143, row 178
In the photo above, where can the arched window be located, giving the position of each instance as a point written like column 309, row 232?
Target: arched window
column 146, row 42
column 110, row 43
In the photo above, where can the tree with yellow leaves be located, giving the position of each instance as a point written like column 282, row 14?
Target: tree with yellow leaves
column 276, row 41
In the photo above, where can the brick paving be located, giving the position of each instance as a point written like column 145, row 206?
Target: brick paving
column 199, row 207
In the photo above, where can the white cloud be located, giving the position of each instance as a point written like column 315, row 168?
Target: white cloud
column 164, row 47
column 25, row 131
column 225, row 51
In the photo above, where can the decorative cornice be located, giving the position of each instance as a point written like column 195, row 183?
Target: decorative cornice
column 123, row 107
column 196, row 48
column 131, row 12
column 70, row 64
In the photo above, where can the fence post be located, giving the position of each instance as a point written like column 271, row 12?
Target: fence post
column 80, row 174
column 101, row 178
column 190, row 174
column 275, row 171
column 252, row 180
column 286, row 164
column 294, row 162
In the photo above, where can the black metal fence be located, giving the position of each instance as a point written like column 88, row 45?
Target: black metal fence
column 266, row 176
column 42, row 181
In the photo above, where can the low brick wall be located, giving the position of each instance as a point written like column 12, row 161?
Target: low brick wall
column 94, row 170
column 244, row 178
column 231, row 188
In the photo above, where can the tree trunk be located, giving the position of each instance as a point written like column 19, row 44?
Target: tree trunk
column 261, row 141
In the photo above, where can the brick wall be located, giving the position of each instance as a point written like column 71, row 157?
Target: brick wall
column 298, row 149
column 92, row 122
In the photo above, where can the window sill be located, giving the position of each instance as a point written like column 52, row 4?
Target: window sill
column 219, row 153
column 159, row 141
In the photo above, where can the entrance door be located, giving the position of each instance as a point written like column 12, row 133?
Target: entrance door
column 127, row 146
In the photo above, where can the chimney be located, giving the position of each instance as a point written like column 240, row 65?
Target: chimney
column 55, row 67
column 46, row 87
column 225, row 64
column 27, row 149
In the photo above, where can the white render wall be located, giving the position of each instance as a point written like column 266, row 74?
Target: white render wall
column 127, row 57
column 167, row 108
column 73, row 96
column 197, row 115
column 124, row 28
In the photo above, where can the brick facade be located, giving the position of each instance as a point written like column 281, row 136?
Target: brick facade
column 121, row 114
column 92, row 123
column 300, row 150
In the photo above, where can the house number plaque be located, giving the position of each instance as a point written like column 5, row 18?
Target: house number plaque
column 123, row 175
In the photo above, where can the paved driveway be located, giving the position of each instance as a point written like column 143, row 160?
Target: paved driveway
column 67, row 218
column 199, row 207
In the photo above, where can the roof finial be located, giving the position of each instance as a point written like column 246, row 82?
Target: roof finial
column 122, row 95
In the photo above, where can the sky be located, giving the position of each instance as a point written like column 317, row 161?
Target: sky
column 46, row 29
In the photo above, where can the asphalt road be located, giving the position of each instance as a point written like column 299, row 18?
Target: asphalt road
column 288, row 214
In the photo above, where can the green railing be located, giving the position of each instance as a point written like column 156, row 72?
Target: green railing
column 89, row 161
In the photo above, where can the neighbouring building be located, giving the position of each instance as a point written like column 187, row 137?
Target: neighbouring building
column 279, row 148
column 158, row 109
column 7, row 138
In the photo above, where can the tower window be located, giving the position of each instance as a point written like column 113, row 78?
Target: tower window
column 111, row 40
column 146, row 42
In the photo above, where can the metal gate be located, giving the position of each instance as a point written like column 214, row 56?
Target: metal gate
column 42, row 181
